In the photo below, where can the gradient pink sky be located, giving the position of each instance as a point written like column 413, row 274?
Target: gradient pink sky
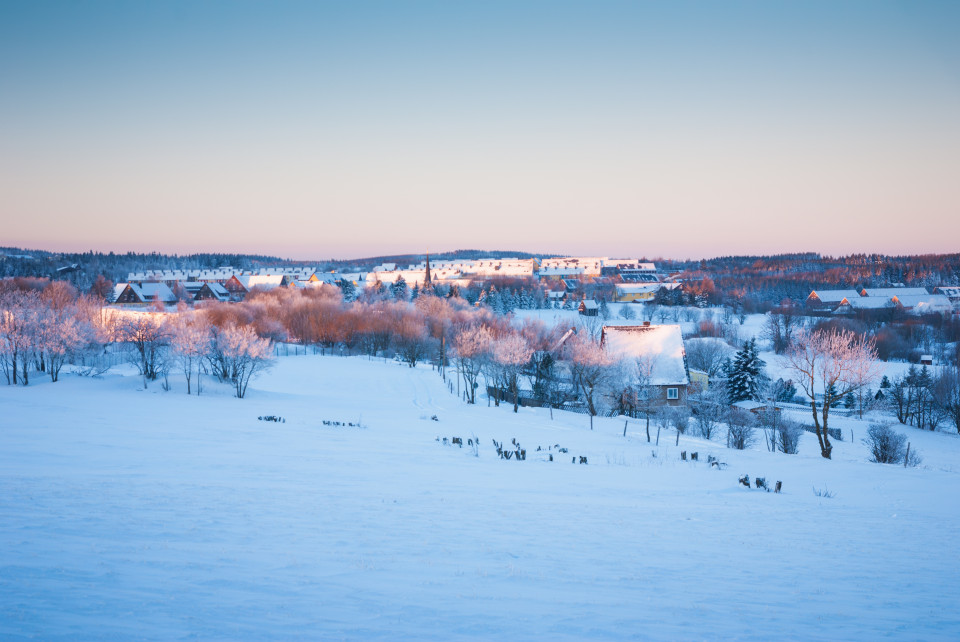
column 314, row 130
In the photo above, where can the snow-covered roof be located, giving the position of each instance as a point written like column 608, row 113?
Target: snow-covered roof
column 218, row 290
column 267, row 281
column 833, row 296
column 894, row 292
column 591, row 265
column 589, row 304
column 561, row 271
column 146, row 292
column 928, row 303
column 637, row 288
column 156, row 292
column 951, row 291
column 628, row 264
column 868, row 302
column 661, row 344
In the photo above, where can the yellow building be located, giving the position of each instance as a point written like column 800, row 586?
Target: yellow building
column 630, row 292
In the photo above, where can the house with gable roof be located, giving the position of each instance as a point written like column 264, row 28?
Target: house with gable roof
column 658, row 349
column 144, row 293
column 212, row 292
column 828, row 300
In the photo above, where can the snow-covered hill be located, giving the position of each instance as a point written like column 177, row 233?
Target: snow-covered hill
column 128, row 513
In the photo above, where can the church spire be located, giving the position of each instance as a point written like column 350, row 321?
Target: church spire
column 426, row 279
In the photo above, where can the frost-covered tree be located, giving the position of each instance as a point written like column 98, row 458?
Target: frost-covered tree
column 190, row 341
column 824, row 358
column 19, row 321
column 707, row 354
column 948, row 394
column 470, row 344
column 591, row 369
column 511, row 353
column 411, row 341
column 60, row 333
column 147, row 340
column 244, row 353
column 740, row 428
column 710, row 409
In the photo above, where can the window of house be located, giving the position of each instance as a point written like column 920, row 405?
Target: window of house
column 673, row 393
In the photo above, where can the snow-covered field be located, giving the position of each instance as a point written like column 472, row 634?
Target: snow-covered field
column 141, row 514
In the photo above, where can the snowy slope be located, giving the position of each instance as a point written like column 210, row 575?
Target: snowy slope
column 130, row 514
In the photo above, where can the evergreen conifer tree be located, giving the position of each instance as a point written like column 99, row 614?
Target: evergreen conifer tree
column 399, row 289
column 746, row 374
column 832, row 393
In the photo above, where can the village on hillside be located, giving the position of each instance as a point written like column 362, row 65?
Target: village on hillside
column 627, row 280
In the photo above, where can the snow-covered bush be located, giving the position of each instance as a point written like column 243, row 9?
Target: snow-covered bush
column 887, row 446
column 740, row 429
column 788, row 436
column 676, row 418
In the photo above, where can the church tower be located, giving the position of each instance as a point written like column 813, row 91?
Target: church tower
column 427, row 283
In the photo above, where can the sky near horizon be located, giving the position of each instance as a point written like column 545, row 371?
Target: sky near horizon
column 342, row 129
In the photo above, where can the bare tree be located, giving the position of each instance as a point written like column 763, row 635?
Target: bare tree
column 190, row 339
column 410, row 339
column 61, row 332
column 590, row 369
column 148, row 340
column 438, row 315
column 470, row 344
column 244, row 355
column 835, row 362
column 709, row 408
column 646, row 395
column 18, row 333
column 947, row 392
column 707, row 354
column 511, row 353
column 740, row 428
column 780, row 328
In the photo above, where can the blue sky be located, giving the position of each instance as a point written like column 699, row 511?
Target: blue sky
column 340, row 129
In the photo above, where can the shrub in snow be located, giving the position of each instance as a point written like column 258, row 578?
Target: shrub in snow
column 677, row 418
column 708, row 411
column 788, row 436
column 740, row 432
column 887, row 446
